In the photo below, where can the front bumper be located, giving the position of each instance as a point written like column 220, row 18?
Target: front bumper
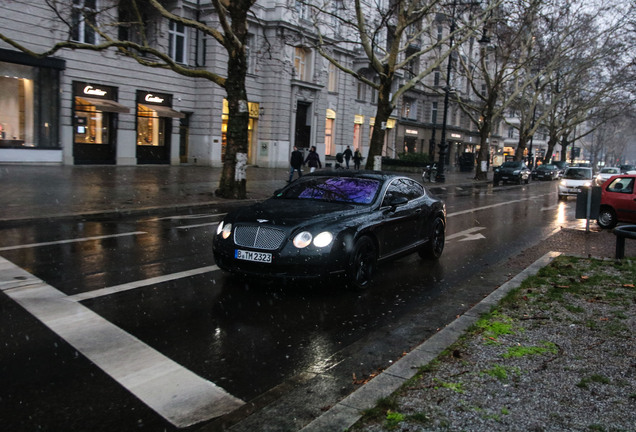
column 288, row 263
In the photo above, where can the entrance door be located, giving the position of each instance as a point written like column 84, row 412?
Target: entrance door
column 153, row 136
column 303, row 125
column 93, row 140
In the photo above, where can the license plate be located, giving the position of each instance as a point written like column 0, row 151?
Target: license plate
column 253, row 256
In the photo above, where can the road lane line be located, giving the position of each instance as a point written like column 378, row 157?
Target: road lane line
column 472, row 210
column 141, row 283
column 174, row 392
column 76, row 240
column 197, row 225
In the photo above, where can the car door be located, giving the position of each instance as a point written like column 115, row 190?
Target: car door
column 624, row 199
column 400, row 224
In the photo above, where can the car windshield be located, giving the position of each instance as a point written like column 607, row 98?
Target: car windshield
column 547, row 167
column 511, row 165
column 578, row 173
column 334, row 189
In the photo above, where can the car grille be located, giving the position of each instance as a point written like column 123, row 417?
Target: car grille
column 258, row 237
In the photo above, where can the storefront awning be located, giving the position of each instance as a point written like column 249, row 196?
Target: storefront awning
column 164, row 111
column 106, row 105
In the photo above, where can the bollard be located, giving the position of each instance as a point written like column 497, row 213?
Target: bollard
column 621, row 233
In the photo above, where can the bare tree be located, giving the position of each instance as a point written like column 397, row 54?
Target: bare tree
column 131, row 15
column 400, row 43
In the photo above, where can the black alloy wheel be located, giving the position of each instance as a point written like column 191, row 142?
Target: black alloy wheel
column 435, row 246
column 362, row 263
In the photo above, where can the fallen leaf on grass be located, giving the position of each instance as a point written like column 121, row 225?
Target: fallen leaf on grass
column 629, row 286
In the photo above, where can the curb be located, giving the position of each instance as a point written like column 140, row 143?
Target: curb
column 349, row 410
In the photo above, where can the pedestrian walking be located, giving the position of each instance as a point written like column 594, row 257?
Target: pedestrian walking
column 295, row 162
column 347, row 154
column 313, row 160
column 357, row 158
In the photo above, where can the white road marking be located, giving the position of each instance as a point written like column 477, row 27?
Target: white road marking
column 76, row 240
column 197, row 225
column 141, row 283
column 472, row 210
column 177, row 394
column 467, row 234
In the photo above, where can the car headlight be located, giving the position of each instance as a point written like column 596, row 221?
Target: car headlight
column 323, row 239
column 224, row 230
column 563, row 183
column 304, row 239
column 587, row 184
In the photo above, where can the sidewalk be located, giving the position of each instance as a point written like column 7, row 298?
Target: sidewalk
column 31, row 193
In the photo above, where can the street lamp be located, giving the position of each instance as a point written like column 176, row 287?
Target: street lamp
column 443, row 146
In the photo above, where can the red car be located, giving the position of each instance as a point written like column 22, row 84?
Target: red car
column 618, row 201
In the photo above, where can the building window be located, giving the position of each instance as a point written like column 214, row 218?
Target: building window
column 177, row 42
column 434, row 112
column 436, row 78
column 83, row 20
column 440, row 33
column 332, row 85
column 511, row 132
column 249, row 55
column 330, row 146
column 409, row 109
column 303, row 10
column 29, row 102
column 302, row 63
column 362, row 91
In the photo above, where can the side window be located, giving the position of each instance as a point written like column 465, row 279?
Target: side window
column 415, row 190
column 622, row 185
column 399, row 188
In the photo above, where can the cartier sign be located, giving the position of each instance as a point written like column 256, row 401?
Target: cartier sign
column 90, row 90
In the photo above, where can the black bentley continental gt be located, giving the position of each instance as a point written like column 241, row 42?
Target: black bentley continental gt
column 332, row 223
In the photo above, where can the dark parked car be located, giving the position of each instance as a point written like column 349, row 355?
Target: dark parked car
column 511, row 172
column 561, row 165
column 618, row 201
column 627, row 169
column 545, row 172
column 332, row 223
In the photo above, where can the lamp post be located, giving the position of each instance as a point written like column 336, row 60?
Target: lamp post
column 443, row 145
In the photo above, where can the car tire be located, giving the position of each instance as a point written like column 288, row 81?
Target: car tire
column 607, row 218
column 433, row 249
column 362, row 263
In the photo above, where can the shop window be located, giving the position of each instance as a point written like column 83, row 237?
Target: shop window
column 329, row 144
column 29, row 106
column 150, row 127
column 83, row 20
column 91, row 125
column 177, row 42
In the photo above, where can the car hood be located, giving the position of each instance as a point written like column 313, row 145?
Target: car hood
column 295, row 212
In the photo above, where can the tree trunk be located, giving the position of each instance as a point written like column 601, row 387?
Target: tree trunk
column 483, row 156
column 233, row 183
column 521, row 147
column 382, row 116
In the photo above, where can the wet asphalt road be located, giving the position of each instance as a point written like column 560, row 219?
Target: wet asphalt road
column 288, row 351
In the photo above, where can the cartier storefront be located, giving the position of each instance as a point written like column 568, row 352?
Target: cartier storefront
column 154, row 127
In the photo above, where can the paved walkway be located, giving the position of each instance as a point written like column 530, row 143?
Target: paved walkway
column 30, row 193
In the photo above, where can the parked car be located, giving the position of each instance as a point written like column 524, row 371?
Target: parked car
column 511, row 172
column 545, row 172
column 561, row 165
column 605, row 173
column 628, row 169
column 332, row 223
column 618, row 201
column 573, row 180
